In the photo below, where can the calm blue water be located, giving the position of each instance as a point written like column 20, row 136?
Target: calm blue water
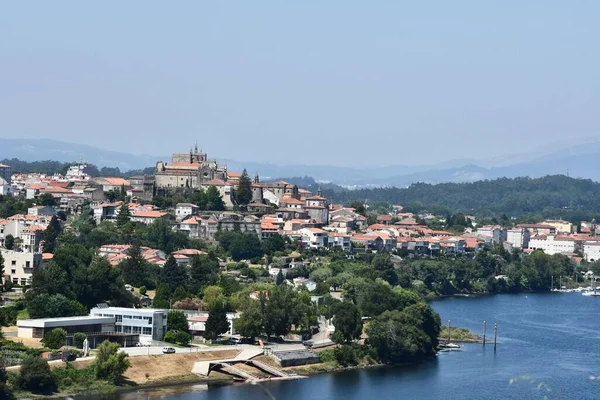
column 553, row 338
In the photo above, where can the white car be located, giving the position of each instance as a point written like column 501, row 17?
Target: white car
column 168, row 350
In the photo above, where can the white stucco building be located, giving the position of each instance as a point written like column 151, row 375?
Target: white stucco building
column 19, row 266
column 150, row 324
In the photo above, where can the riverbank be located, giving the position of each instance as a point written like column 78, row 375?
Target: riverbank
column 145, row 372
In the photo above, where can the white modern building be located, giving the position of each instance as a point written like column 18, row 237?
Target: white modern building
column 19, row 266
column 37, row 328
column 150, row 324
column 591, row 250
column 553, row 244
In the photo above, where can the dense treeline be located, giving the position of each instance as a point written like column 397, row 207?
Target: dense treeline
column 56, row 167
column 550, row 196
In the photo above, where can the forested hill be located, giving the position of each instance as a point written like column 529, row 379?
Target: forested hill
column 550, row 196
column 56, row 167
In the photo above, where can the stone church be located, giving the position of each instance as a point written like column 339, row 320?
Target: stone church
column 187, row 171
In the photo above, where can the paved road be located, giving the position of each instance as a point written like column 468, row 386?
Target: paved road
column 157, row 350
column 322, row 337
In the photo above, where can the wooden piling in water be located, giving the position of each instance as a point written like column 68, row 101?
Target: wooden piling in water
column 495, row 335
column 484, row 332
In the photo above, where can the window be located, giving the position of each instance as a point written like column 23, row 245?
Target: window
column 137, row 329
column 27, row 264
column 13, row 262
column 23, row 281
column 127, row 316
column 147, row 331
column 118, row 328
column 126, row 329
column 119, row 318
column 13, row 271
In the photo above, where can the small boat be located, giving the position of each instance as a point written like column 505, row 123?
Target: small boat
column 238, row 379
column 449, row 346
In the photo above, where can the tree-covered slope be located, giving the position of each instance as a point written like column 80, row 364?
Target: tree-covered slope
column 556, row 195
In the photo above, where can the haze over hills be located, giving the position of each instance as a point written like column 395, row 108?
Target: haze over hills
column 581, row 160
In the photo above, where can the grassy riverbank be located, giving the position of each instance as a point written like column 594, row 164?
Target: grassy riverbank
column 459, row 335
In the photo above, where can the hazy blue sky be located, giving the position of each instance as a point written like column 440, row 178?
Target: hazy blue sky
column 335, row 82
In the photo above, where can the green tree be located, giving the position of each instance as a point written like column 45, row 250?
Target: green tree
column 176, row 321
column 55, row 339
column 214, row 200
column 274, row 243
column 243, row 193
column 143, row 290
column 279, row 279
column 217, row 322
column 281, row 310
column 173, row 274
column 9, row 242
column 213, row 295
column 134, row 269
column 5, row 392
column 46, row 305
column 35, row 375
column 124, row 215
column 160, row 235
column 78, row 339
column 204, row 271
column 245, row 246
column 110, row 363
column 46, row 199
column 180, row 294
column 50, row 234
column 405, row 335
column 183, row 338
column 347, row 321
column 382, row 263
column 162, row 296
column 249, row 324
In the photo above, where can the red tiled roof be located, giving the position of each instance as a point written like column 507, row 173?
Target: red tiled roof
column 149, row 214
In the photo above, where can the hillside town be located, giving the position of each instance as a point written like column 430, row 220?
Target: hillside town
column 194, row 243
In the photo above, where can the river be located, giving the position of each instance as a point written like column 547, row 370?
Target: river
column 552, row 338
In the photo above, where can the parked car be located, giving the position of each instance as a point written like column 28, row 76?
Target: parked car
column 68, row 356
column 307, row 343
column 248, row 340
column 168, row 350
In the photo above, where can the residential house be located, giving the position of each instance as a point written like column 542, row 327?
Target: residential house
column 41, row 211
column 148, row 217
column 314, row 238
column 384, row 219
column 340, row 240
column 184, row 210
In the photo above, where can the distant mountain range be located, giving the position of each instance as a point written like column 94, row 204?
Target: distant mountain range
column 582, row 160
